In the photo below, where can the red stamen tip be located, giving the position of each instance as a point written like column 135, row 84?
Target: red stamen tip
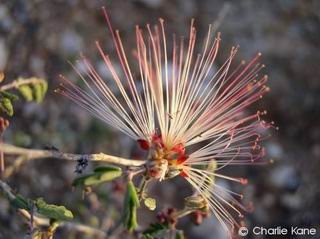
column 178, row 148
column 243, row 181
column 184, row 174
column 182, row 158
column 157, row 139
column 144, row 144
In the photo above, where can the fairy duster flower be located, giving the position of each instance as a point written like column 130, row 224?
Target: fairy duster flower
column 187, row 114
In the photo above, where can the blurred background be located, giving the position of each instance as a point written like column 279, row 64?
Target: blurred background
column 38, row 37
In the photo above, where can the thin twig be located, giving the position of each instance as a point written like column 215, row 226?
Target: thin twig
column 17, row 83
column 39, row 221
column 39, row 153
column 142, row 187
column 9, row 170
column 184, row 212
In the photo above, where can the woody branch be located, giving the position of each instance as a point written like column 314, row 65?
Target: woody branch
column 30, row 154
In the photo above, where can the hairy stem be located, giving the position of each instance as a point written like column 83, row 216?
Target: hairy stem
column 39, row 153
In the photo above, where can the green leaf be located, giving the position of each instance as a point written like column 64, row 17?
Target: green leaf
column 40, row 90
column 9, row 95
column 26, row 92
column 107, row 168
column 100, row 175
column 150, row 203
column 155, row 228
column 53, row 211
column 21, row 203
column 44, row 86
column 179, row 235
column 35, row 89
column 131, row 203
column 132, row 193
column 147, row 236
column 37, row 92
column 6, row 106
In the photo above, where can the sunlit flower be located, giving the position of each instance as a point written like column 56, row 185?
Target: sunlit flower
column 189, row 115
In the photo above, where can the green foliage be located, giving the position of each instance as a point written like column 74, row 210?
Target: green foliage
column 26, row 92
column 35, row 90
column 100, row 175
column 155, row 229
column 147, row 236
column 21, row 203
column 179, row 235
column 6, row 106
column 161, row 230
column 51, row 211
column 6, row 99
column 37, row 93
column 31, row 89
column 107, row 168
column 131, row 203
column 9, row 95
column 54, row 212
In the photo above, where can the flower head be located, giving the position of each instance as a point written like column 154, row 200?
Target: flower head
column 189, row 116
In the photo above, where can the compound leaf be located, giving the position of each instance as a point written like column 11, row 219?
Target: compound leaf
column 52, row 211
column 6, row 106
column 26, row 92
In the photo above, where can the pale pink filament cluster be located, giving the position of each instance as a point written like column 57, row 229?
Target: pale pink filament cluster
column 180, row 97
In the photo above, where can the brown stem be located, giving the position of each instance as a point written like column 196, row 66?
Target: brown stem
column 142, row 187
column 9, row 170
column 39, row 153
column 183, row 213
